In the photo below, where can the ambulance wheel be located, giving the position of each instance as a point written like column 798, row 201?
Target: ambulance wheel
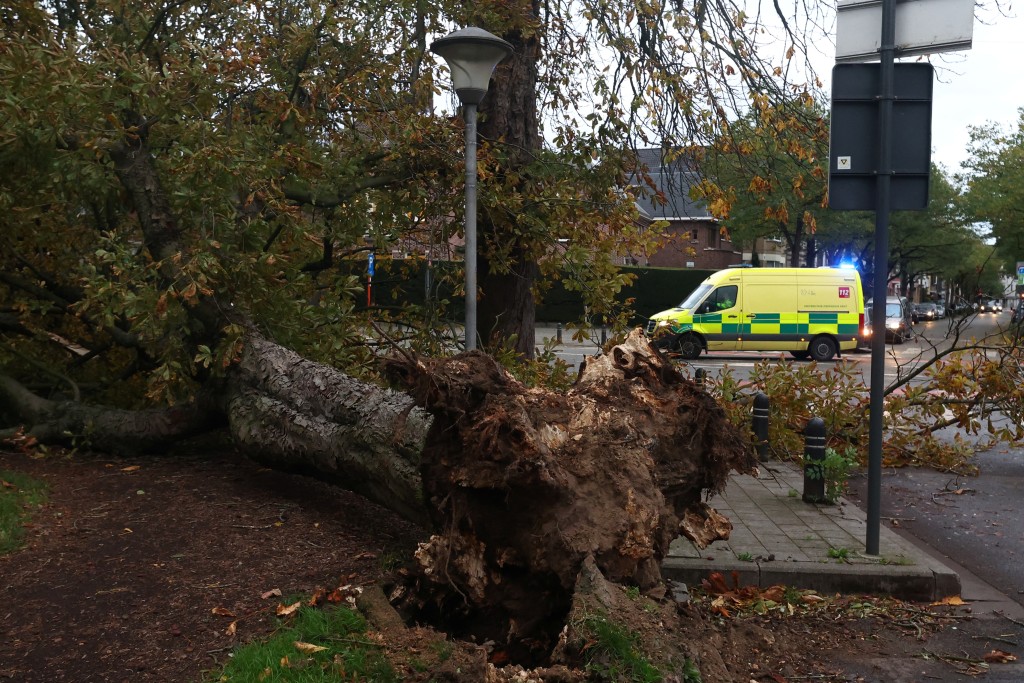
column 822, row 348
column 689, row 346
column 800, row 355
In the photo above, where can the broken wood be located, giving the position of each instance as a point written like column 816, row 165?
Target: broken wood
column 524, row 484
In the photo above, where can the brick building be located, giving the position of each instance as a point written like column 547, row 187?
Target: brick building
column 694, row 238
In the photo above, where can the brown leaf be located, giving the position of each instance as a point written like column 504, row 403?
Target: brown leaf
column 950, row 600
column 308, row 648
column 231, row 629
column 131, row 468
column 222, row 612
column 283, row 611
column 999, row 657
column 318, row 596
column 272, row 593
column 7, row 484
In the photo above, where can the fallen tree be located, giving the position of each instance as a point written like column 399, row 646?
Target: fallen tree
column 520, row 486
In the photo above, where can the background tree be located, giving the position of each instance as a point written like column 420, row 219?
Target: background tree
column 767, row 175
column 994, row 192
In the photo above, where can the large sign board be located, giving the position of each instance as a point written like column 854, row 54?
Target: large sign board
column 922, row 27
column 853, row 145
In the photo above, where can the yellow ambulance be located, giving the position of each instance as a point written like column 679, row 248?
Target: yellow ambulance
column 809, row 312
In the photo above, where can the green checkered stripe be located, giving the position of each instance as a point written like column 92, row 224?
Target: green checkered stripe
column 781, row 324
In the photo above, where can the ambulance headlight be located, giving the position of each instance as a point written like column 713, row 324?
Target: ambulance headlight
column 664, row 323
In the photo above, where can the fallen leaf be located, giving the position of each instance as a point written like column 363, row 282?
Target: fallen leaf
column 265, row 674
column 318, row 596
column 222, row 612
column 283, row 611
column 7, row 484
column 999, row 657
column 811, row 598
column 308, row 648
column 232, row 627
column 131, row 468
column 272, row 593
column 950, row 600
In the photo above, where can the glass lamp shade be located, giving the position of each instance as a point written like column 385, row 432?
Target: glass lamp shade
column 471, row 53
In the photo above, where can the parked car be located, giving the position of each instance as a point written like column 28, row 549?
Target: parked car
column 898, row 322
column 926, row 311
column 940, row 310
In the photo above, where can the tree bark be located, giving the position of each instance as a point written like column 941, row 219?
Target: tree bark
column 523, row 485
column 506, row 310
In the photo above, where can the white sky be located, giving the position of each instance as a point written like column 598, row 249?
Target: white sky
column 972, row 87
column 981, row 85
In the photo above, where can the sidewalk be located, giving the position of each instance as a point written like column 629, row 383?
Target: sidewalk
column 779, row 539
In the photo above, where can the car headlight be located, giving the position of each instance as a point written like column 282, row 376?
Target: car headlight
column 664, row 323
column 892, row 324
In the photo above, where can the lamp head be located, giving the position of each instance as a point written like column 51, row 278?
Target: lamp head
column 471, row 53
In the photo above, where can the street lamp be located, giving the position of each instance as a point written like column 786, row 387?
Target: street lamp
column 471, row 53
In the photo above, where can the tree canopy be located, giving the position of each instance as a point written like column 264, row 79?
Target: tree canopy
column 994, row 189
column 224, row 165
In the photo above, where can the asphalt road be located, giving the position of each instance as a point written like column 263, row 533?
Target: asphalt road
column 977, row 522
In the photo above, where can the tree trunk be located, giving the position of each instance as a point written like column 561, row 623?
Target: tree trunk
column 506, row 310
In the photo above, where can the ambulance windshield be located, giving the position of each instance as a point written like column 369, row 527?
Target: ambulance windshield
column 696, row 296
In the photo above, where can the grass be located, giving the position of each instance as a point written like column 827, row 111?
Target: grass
column 19, row 496
column 842, row 554
column 314, row 646
column 615, row 655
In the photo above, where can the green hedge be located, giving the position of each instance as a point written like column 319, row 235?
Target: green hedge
column 405, row 282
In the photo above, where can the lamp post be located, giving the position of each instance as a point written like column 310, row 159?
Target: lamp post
column 472, row 54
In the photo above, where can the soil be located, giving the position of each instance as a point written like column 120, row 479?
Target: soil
column 136, row 568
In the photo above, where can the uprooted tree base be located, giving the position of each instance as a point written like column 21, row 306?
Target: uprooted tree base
column 526, row 487
column 522, row 487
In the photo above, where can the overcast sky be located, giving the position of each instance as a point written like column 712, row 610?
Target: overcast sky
column 983, row 84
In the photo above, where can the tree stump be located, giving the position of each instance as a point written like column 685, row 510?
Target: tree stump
column 525, row 484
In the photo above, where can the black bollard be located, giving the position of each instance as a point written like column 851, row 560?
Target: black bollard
column 699, row 376
column 814, row 457
column 558, row 333
column 760, row 424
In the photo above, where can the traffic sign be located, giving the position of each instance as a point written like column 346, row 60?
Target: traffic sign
column 922, row 27
column 854, row 152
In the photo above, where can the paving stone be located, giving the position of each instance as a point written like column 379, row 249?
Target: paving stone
column 767, row 521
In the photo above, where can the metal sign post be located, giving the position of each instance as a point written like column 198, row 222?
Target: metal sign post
column 888, row 52
column 927, row 26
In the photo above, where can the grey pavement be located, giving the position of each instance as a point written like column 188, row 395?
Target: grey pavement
column 777, row 538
